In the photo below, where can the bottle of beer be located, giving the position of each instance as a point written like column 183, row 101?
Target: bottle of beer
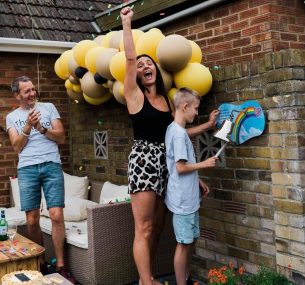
column 3, row 226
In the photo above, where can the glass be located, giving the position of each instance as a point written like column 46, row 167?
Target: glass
column 11, row 232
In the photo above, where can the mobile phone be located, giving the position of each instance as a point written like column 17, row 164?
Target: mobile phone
column 22, row 277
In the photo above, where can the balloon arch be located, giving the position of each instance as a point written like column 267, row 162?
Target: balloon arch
column 94, row 70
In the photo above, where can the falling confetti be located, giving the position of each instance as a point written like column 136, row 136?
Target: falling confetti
column 99, row 122
column 80, row 168
column 76, row 101
column 109, row 6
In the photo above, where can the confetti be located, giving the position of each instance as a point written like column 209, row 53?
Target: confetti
column 142, row 3
column 99, row 122
column 80, row 168
column 109, row 6
column 76, row 101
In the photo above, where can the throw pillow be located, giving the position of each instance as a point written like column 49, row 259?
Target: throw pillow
column 76, row 186
column 75, row 209
column 15, row 192
column 112, row 193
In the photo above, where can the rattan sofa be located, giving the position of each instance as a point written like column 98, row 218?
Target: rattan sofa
column 109, row 258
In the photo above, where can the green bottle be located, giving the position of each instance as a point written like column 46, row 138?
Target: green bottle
column 3, row 227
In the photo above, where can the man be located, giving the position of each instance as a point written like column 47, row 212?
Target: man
column 35, row 130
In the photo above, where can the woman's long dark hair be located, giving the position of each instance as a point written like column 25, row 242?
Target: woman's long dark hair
column 159, row 80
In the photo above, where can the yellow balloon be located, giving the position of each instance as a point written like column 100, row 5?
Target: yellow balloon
column 68, row 84
column 135, row 35
column 147, row 44
column 80, row 50
column 194, row 76
column 196, row 52
column 91, row 56
column 118, row 92
column 174, row 52
column 64, row 60
column 106, row 39
column 91, row 88
column 171, row 93
column 59, row 72
column 97, row 101
column 77, row 88
column 117, row 66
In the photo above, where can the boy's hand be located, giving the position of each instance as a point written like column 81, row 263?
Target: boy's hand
column 211, row 161
column 213, row 118
column 204, row 189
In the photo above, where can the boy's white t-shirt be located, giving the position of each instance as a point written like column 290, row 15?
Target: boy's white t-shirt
column 183, row 195
column 39, row 148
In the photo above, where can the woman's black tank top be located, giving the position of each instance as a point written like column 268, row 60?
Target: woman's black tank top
column 150, row 124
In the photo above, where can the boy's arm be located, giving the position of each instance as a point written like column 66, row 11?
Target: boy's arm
column 183, row 167
column 194, row 131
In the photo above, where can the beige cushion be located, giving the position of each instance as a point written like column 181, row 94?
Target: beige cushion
column 112, row 193
column 76, row 186
column 75, row 209
column 15, row 192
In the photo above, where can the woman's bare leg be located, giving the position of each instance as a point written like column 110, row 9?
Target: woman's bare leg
column 143, row 209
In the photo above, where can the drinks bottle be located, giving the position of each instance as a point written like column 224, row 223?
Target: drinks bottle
column 3, row 226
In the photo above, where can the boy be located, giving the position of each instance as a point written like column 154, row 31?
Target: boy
column 183, row 194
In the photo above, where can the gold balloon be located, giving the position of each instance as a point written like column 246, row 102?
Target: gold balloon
column 103, row 63
column 74, row 95
column 118, row 92
column 114, row 41
column 174, row 52
column 91, row 88
column 167, row 78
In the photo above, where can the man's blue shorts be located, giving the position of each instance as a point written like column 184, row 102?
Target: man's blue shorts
column 186, row 227
column 31, row 179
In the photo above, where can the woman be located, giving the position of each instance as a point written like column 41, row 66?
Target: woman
column 151, row 113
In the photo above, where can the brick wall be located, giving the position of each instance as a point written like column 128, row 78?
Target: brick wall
column 255, row 213
column 244, row 30
column 51, row 89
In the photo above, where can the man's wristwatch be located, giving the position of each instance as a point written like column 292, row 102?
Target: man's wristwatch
column 44, row 130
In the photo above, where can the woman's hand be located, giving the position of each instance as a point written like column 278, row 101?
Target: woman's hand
column 126, row 14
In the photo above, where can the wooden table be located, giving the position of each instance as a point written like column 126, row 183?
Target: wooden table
column 26, row 256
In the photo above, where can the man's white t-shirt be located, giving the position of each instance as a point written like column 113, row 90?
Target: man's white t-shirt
column 38, row 148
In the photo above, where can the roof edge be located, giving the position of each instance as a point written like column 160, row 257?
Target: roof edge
column 34, row 46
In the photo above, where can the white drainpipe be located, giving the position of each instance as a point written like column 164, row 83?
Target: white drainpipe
column 34, row 46
column 186, row 12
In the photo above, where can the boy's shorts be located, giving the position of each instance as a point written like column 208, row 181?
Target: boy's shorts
column 49, row 176
column 186, row 227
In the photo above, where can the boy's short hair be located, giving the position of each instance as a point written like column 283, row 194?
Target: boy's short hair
column 185, row 95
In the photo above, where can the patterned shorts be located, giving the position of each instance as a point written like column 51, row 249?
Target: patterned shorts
column 147, row 168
